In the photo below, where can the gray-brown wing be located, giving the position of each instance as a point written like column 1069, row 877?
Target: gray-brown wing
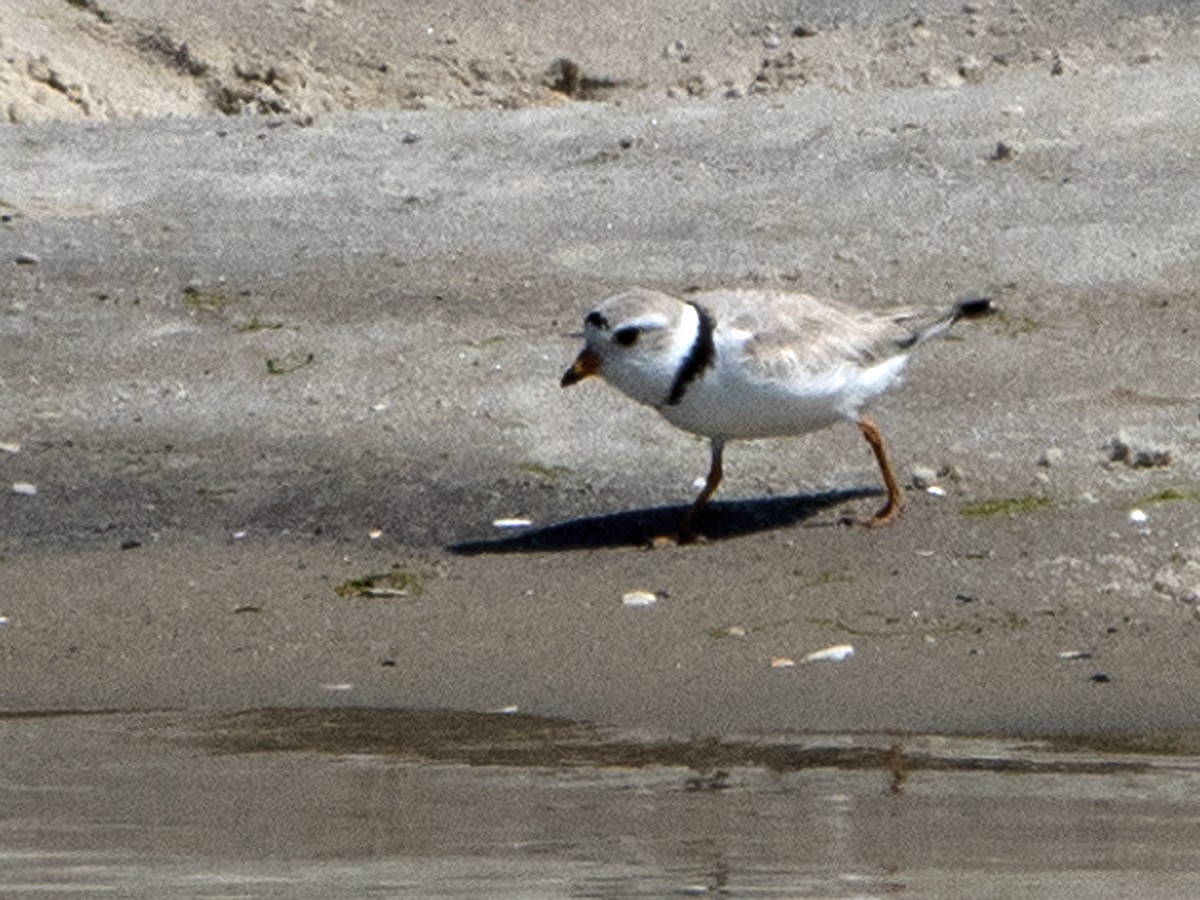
column 797, row 336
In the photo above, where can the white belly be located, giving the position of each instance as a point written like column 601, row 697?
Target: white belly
column 727, row 405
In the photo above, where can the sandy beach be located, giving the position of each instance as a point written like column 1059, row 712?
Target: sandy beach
column 287, row 295
column 251, row 359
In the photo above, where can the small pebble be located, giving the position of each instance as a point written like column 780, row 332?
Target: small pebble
column 637, row 599
column 1005, row 151
column 1051, row 456
column 924, row 477
column 836, row 653
column 782, row 662
column 27, row 259
column 24, row 488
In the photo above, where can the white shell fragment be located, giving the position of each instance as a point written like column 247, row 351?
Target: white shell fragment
column 1074, row 654
column 375, row 534
column 782, row 662
column 512, row 523
column 638, row 599
column 24, row 488
column 1138, row 517
column 936, row 490
column 342, row 686
column 835, row 653
column 382, row 592
column 10, row 447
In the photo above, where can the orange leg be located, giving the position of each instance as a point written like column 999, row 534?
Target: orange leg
column 686, row 535
column 895, row 496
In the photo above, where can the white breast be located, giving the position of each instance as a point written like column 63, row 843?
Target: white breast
column 730, row 400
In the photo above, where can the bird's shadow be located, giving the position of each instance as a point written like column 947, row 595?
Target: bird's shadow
column 640, row 527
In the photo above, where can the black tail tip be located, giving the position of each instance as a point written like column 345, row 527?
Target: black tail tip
column 974, row 307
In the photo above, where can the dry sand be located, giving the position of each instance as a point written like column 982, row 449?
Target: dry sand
column 251, row 357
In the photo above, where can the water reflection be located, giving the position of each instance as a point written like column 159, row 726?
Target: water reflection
column 150, row 806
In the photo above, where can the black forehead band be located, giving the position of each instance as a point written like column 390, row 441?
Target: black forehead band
column 597, row 319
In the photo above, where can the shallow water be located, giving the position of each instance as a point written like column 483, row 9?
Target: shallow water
column 167, row 805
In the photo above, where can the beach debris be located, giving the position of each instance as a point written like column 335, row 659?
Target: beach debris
column 936, row 490
column 239, row 535
column 1062, row 65
column 4, row 621
column 27, row 259
column 1100, row 678
column 338, row 686
column 375, row 534
column 24, row 488
column 639, row 599
column 1179, row 579
column 972, row 70
column 9, row 447
column 924, row 477
column 677, row 49
column 565, row 76
column 1143, row 454
column 511, row 710
column 1004, row 151
column 1139, row 520
column 782, row 662
column 513, row 522
column 1074, row 654
column 1051, row 457
column 289, row 362
column 397, row 582
column 834, row 653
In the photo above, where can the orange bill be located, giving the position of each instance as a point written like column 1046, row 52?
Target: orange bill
column 586, row 363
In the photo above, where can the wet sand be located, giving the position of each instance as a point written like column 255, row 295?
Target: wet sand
column 244, row 350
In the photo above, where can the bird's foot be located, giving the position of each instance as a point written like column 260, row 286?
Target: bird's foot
column 885, row 516
column 679, row 539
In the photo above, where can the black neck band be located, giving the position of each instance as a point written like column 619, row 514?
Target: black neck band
column 702, row 354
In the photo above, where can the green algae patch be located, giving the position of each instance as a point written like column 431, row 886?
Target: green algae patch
column 396, row 582
column 1170, row 495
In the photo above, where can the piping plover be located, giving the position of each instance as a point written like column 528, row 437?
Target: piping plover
column 744, row 364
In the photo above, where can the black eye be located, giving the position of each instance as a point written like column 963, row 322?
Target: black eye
column 596, row 319
column 627, row 336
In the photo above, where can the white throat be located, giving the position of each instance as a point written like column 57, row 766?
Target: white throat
column 685, row 335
